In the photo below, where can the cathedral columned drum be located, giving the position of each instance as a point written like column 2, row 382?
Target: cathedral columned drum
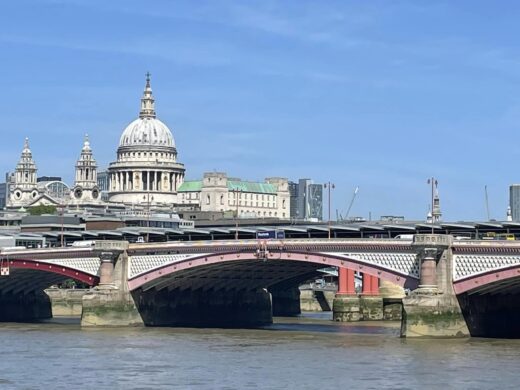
column 146, row 170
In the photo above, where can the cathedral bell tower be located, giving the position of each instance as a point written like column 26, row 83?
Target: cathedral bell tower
column 25, row 187
column 85, row 184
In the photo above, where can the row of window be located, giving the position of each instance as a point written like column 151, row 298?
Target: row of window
column 264, row 197
column 127, row 155
column 269, row 198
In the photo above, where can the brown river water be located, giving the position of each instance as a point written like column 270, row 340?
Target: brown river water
column 309, row 352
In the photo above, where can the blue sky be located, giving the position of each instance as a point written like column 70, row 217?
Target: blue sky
column 375, row 94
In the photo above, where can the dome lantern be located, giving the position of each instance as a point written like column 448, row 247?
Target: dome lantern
column 147, row 101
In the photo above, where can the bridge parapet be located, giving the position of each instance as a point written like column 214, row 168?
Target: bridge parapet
column 436, row 240
column 110, row 245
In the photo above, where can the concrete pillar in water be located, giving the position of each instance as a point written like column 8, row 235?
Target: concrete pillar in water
column 392, row 295
column 110, row 303
column 345, row 307
column 371, row 304
column 432, row 310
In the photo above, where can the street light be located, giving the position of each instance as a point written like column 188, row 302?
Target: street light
column 330, row 186
column 434, row 183
column 236, row 192
column 62, row 210
column 147, row 198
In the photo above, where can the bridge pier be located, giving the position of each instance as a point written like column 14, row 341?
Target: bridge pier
column 392, row 300
column 370, row 302
column 432, row 310
column 345, row 307
column 110, row 303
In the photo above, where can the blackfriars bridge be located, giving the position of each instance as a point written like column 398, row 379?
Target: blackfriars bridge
column 457, row 288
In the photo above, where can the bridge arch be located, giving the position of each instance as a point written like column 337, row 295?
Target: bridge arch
column 498, row 280
column 161, row 277
column 32, row 275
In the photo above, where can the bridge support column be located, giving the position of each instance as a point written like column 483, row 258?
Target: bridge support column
column 392, row 300
column 371, row 304
column 345, row 307
column 110, row 303
column 286, row 302
column 106, row 269
column 432, row 310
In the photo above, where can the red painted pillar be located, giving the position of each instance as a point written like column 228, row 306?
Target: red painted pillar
column 367, row 284
column 375, row 285
column 342, row 280
column 346, row 281
column 351, row 287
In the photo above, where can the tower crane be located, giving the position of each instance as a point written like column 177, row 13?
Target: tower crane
column 351, row 202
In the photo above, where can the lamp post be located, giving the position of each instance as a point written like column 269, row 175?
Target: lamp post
column 236, row 192
column 329, row 186
column 433, row 182
column 147, row 198
column 61, row 206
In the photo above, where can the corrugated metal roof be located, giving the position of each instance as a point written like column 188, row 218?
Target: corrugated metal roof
column 462, row 225
column 398, row 226
column 489, row 224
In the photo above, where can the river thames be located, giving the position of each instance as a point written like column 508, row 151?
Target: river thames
column 309, row 352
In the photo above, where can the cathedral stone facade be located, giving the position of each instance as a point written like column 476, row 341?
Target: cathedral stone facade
column 146, row 170
column 24, row 190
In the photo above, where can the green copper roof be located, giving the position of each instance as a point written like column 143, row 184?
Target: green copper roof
column 233, row 185
column 247, row 186
column 188, row 186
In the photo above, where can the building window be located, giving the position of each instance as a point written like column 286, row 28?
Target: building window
column 208, row 199
column 221, row 199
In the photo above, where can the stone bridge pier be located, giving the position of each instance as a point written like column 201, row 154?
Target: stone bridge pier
column 432, row 310
column 110, row 303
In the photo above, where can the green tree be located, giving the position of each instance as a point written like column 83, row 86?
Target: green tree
column 42, row 209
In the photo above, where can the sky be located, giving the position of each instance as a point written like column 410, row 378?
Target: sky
column 379, row 95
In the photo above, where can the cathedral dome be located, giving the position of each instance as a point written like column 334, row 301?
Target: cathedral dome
column 147, row 131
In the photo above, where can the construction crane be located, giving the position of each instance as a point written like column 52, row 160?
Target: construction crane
column 487, row 202
column 352, row 202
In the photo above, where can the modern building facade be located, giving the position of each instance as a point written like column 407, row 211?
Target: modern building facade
column 218, row 193
column 514, row 201
column 306, row 200
column 3, row 195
